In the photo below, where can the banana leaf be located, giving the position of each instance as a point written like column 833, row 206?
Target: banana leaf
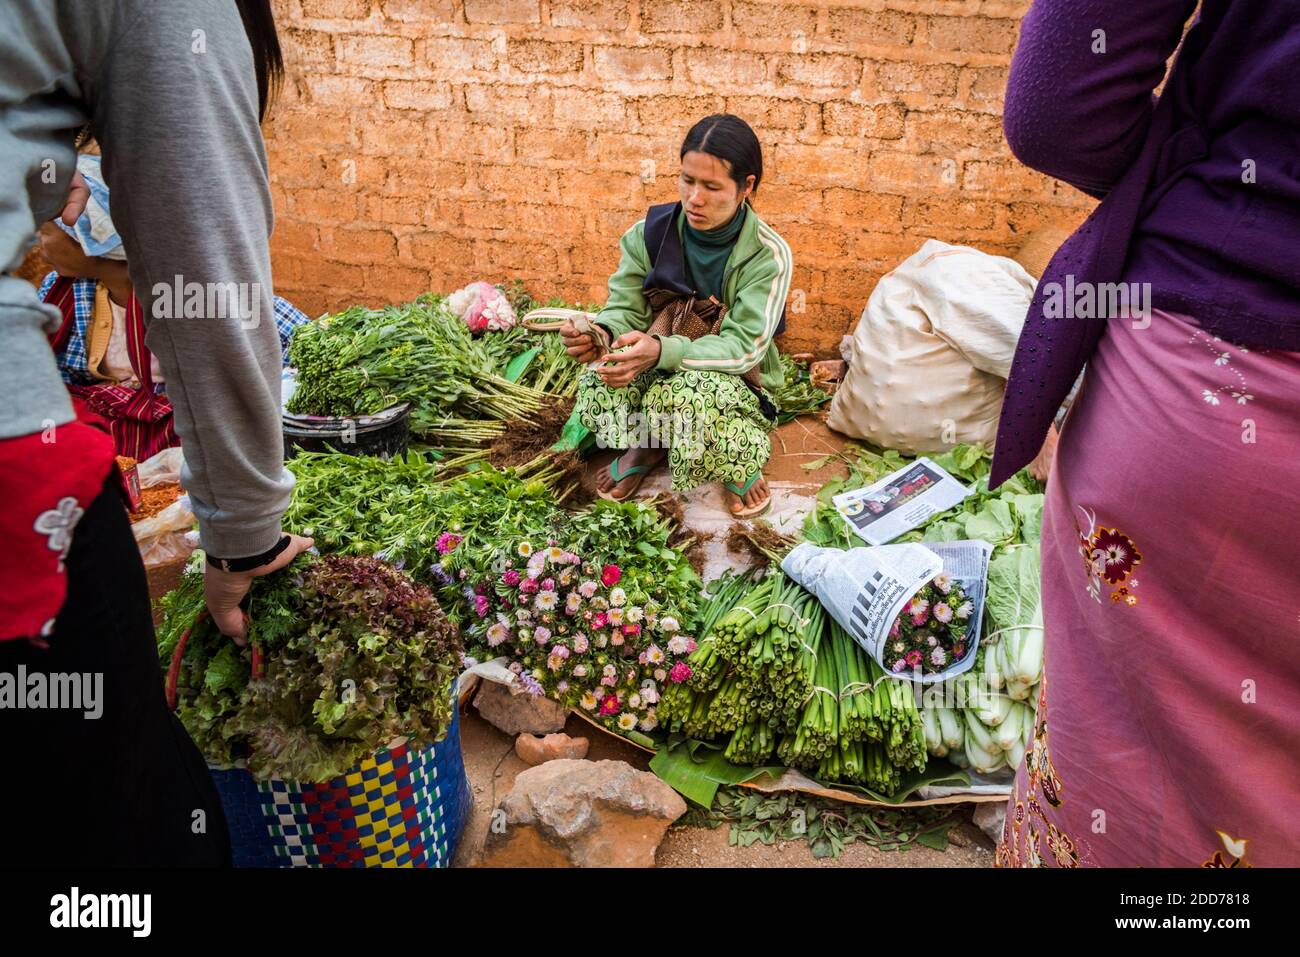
column 696, row 769
column 517, row 366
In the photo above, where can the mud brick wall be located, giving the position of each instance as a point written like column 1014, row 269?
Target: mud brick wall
column 420, row 144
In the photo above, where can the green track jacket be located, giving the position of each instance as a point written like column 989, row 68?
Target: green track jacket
column 755, row 285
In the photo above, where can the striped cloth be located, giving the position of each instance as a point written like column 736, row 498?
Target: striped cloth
column 140, row 418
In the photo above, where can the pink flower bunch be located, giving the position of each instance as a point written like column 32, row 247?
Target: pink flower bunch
column 930, row 633
column 590, row 644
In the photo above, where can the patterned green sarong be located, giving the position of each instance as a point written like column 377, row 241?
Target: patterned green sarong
column 711, row 422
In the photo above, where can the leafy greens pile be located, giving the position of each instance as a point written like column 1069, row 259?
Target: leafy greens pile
column 356, row 655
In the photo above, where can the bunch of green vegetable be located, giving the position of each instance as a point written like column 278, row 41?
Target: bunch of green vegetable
column 354, row 653
column 773, row 674
column 797, row 395
column 758, row 662
column 361, row 361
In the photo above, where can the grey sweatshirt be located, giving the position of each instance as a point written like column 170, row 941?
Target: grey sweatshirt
column 169, row 90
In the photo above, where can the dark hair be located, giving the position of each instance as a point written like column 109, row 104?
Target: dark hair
column 259, row 25
column 731, row 140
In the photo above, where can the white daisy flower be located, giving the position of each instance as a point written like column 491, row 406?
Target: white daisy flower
column 668, row 623
column 635, row 614
column 618, row 597
column 626, row 721
column 649, row 722
column 587, row 588
column 555, row 553
column 525, row 549
column 546, row 600
column 589, row 701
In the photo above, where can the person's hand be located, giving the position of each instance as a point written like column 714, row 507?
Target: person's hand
column 620, row 368
column 65, row 255
column 579, row 346
column 1041, row 467
column 78, row 197
column 225, row 590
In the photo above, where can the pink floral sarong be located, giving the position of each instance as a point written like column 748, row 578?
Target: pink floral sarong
column 1168, row 729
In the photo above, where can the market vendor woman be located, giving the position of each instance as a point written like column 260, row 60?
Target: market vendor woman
column 693, row 309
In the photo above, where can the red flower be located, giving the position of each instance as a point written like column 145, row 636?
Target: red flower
column 609, row 706
column 610, row 575
column 1118, row 554
column 681, row 671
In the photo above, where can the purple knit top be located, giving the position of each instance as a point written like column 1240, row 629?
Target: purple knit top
column 1200, row 188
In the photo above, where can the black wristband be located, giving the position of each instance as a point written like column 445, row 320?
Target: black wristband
column 252, row 561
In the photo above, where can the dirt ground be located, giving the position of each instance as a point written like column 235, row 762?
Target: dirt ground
column 492, row 765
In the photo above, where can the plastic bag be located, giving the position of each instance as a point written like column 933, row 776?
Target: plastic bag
column 163, row 469
column 166, row 537
column 929, row 358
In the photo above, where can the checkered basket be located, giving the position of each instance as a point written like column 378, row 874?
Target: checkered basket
column 401, row 807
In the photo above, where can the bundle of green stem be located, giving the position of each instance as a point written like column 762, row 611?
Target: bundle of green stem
column 817, row 733
column 680, row 701
column 756, row 664
column 874, row 706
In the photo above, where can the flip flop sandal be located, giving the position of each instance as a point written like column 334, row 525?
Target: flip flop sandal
column 638, row 470
column 740, row 493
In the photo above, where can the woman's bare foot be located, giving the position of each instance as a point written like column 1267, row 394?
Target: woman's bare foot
column 758, row 494
column 605, row 483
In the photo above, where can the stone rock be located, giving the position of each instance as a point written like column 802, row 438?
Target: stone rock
column 514, row 711
column 553, row 747
column 567, row 813
column 990, row 818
